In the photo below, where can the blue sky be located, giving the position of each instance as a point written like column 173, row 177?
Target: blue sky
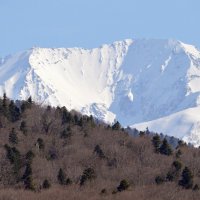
column 90, row 23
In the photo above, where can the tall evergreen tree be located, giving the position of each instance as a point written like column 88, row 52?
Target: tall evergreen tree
column 156, row 143
column 14, row 157
column 116, row 126
column 61, row 177
column 66, row 116
column 165, row 148
column 88, row 174
column 13, row 112
column 13, row 137
column 5, row 105
column 40, row 143
column 46, row 184
column 187, row 178
column 124, row 185
column 99, row 152
column 23, row 127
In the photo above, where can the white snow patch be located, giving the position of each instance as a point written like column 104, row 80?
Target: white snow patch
column 122, row 80
column 163, row 67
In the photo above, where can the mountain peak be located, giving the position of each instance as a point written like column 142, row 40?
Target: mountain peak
column 136, row 81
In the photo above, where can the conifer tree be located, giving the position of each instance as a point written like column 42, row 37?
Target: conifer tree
column 156, row 143
column 124, row 185
column 13, row 139
column 13, row 112
column 23, row 127
column 5, row 105
column 29, row 156
column 66, row 133
column 46, row 184
column 28, row 171
column 40, row 143
column 26, row 104
column 196, row 187
column 14, row 157
column 27, row 177
column 68, row 181
column 29, row 100
column 187, row 178
column 28, row 183
column 165, row 148
column 88, row 175
column 142, row 133
column 66, row 116
column 99, row 151
column 61, row 177
column 116, row 126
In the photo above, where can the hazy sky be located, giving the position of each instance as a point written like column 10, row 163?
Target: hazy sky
column 90, row 23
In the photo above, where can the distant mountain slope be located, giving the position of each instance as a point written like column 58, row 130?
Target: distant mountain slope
column 134, row 81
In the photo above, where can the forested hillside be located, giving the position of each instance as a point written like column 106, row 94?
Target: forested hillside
column 51, row 153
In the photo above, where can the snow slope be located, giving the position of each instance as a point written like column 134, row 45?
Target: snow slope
column 154, row 83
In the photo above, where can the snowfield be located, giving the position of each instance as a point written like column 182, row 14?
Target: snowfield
column 141, row 83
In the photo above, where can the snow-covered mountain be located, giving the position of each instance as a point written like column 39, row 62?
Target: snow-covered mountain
column 154, row 83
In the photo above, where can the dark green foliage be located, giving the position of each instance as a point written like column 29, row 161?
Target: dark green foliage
column 28, row 183
column 9, row 109
column 121, row 155
column 23, row 127
column 68, row 181
column 124, row 185
column 196, row 187
column 99, row 152
column 174, row 172
column 88, row 175
column 11, row 153
column 142, row 133
column 13, row 112
column 170, row 176
column 61, row 177
column 159, row 180
column 66, row 133
column 177, row 165
column 5, row 105
column 91, row 121
column 46, row 184
column 26, row 104
column 27, row 177
column 156, row 143
column 40, row 143
column 29, row 100
column 28, row 171
column 187, row 179
column 66, row 116
column 116, row 126
column 165, row 148
column 46, row 124
column 181, row 144
column 14, row 157
column 13, row 139
column 29, row 156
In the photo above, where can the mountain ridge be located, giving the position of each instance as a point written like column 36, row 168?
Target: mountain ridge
column 133, row 81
